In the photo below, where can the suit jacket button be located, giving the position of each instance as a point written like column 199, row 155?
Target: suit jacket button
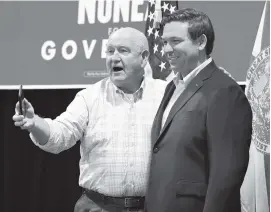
column 156, row 149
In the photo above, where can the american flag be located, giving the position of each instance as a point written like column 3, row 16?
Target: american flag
column 153, row 31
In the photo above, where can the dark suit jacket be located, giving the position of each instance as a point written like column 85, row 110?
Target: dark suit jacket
column 200, row 157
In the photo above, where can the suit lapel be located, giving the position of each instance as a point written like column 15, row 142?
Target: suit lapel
column 191, row 89
column 186, row 95
column 156, row 127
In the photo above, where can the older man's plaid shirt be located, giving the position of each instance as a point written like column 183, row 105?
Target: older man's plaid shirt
column 114, row 129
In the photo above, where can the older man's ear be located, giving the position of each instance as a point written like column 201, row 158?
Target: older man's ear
column 148, row 70
column 146, row 64
column 145, row 57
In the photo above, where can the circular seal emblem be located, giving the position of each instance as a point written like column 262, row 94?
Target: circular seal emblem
column 258, row 94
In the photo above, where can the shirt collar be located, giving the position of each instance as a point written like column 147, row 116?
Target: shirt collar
column 177, row 79
column 187, row 79
column 136, row 95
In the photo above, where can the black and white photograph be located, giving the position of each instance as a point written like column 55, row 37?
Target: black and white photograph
column 135, row 105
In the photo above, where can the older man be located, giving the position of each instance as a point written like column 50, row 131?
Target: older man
column 113, row 119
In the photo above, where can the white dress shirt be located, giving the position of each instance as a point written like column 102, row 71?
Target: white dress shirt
column 181, row 84
column 114, row 129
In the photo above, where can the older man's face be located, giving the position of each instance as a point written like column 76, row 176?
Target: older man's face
column 123, row 59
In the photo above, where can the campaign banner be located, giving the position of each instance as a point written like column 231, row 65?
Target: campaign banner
column 61, row 44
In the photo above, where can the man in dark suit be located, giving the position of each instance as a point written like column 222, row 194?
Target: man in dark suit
column 202, row 130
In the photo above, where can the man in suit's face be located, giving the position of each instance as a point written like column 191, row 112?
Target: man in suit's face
column 183, row 53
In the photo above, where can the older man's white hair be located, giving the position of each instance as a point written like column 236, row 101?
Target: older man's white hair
column 137, row 37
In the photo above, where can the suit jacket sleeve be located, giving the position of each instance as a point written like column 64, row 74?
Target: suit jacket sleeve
column 229, row 128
